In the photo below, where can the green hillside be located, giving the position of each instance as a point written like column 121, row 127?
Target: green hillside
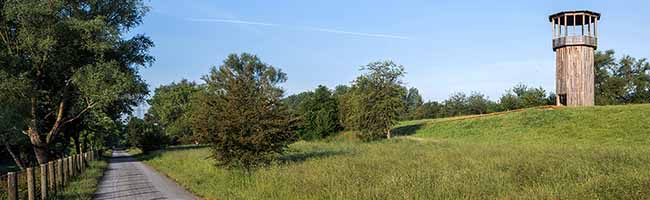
column 602, row 125
column 567, row 153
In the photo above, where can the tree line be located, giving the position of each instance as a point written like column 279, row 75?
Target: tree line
column 240, row 105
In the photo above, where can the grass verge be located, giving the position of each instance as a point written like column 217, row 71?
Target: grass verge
column 84, row 187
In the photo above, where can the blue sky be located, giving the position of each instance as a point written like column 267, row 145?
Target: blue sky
column 445, row 46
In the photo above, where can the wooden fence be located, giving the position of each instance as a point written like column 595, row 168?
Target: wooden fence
column 43, row 182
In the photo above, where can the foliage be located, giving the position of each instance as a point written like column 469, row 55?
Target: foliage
column 242, row 114
column 145, row 135
column 319, row 114
column 344, row 97
column 477, row 103
column 412, row 100
column 430, row 110
column 377, row 99
column 70, row 59
column 622, row 81
column 522, row 96
column 170, row 106
column 456, row 105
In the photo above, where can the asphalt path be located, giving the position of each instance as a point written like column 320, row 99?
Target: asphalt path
column 128, row 178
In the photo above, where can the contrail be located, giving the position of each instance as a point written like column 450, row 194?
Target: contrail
column 316, row 29
column 230, row 21
column 355, row 33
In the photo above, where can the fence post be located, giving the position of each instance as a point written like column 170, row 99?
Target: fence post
column 44, row 181
column 59, row 174
column 50, row 171
column 12, row 185
column 82, row 163
column 64, row 169
column 70, row 168
column 80, row 166
column 31, row 184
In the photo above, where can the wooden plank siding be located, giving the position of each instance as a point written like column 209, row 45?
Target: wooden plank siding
column 575, row 74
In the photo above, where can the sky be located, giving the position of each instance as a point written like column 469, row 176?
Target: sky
column 445, row 46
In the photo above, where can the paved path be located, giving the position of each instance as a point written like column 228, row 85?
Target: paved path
column 127, row 178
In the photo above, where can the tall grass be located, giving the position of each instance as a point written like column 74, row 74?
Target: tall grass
column 84, row 186
column 583, row 153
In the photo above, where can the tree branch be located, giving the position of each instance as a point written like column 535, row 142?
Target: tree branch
column 80, row 113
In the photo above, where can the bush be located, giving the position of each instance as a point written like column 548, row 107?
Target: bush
column 145, row 135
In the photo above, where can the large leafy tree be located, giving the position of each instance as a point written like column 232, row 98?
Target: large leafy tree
column 378, row 99
column 170, row 107
column 242, row 114
column 73, row 60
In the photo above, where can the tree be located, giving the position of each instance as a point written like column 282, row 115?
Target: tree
column 72, row 58
column 294, row 101
column 145, row 135
column 456, row 105
column 319, row 114
column 509, row 101
column 169, row 108
column 429, row 110
column 622, row 81
column 377, row 99
column 477, row 103
column 344, row 97
column 522, row 96
column 412, row 101
column 247, row 123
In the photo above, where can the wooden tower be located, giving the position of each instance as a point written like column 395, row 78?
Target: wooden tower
column 575, row 39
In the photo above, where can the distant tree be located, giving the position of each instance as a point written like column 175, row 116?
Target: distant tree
column 456, row 105
column 246, row 122
column 170, row 105
column 430, row 110
column 146, row 135
column 509, row 101
column 295, row 101
column 522, row 96
column 319, row 114
column 622, row 81
column 344, row 97
column 412, row 100
column 477, row 103
column 533, row 97
column 377, row 99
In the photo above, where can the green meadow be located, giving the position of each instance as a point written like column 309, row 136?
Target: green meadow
column 565, row 153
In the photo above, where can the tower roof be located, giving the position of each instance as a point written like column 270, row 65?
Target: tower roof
column 595, row 14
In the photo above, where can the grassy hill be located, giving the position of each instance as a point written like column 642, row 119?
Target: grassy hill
column 566, row 153
column 602, row 125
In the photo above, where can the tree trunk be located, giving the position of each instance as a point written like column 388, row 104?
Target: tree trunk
column 16, row 159
column 388, row 133
column 41, row 153
column 77, row 144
